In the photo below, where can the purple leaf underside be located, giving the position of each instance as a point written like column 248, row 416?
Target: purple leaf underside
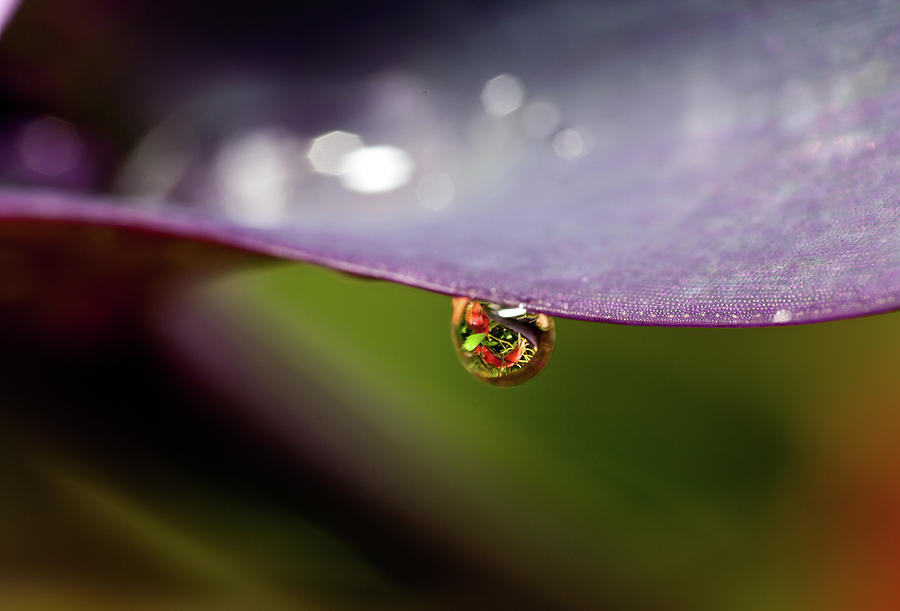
column 711, row 166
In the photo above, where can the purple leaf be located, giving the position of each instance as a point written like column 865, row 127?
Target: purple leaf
column 697, row 165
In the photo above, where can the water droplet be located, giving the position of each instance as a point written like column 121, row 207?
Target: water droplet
column 500, row 345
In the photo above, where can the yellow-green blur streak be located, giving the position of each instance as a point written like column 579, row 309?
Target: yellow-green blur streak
column 199, row 561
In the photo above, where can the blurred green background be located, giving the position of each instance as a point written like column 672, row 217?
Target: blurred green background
column 653, row 468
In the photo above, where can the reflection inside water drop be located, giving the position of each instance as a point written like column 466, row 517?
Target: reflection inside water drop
column 501, row 345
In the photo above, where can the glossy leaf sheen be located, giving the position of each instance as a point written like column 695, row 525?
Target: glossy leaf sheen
column 744, row 169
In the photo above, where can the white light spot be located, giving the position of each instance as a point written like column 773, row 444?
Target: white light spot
column 572, row 143
column 782, row 316
column 375, row 169
column 50, row 146
column 540, row 119
column 502, row 95
column 326, row 153
column 158, row 162
column 511, row 312
column 257, row 175
column 434, row 190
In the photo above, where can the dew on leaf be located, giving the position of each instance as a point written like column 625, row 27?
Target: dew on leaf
column 500, row 345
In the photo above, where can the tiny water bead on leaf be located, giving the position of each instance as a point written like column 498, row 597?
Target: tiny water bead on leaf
column 500, row 345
